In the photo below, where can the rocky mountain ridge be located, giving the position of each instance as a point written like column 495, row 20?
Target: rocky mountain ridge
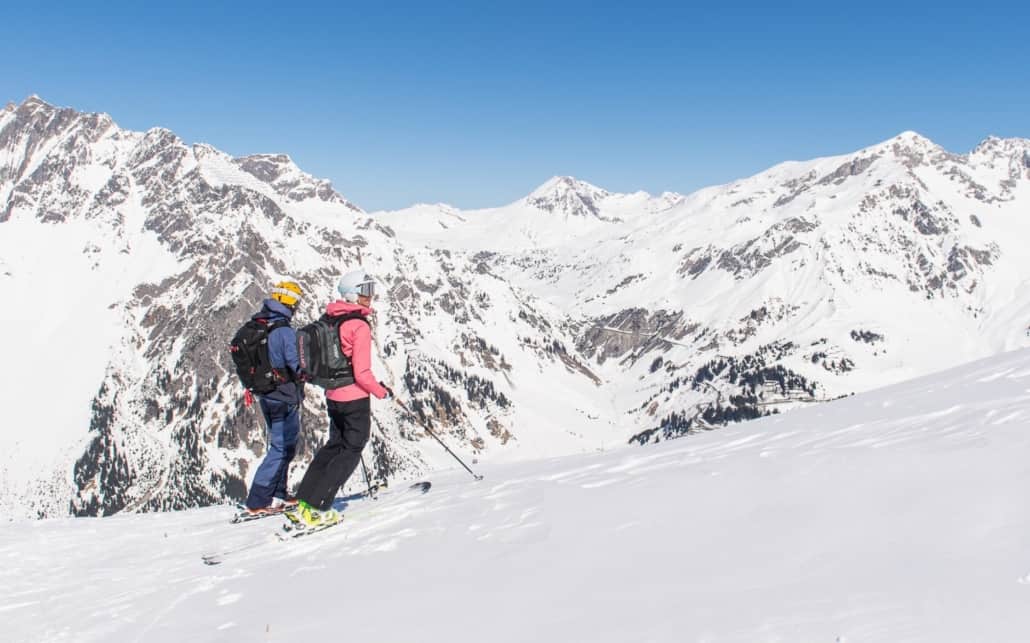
column 570, row 320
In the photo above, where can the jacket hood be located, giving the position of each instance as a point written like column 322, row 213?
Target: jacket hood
column 340, row 307
column 272, row 309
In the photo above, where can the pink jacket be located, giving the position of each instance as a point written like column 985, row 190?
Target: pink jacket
column 356, row 342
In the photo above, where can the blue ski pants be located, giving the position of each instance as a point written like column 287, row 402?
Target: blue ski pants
column 283, row 421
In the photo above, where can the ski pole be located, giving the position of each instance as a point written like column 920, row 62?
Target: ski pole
column 368, row 480
column 437, row 438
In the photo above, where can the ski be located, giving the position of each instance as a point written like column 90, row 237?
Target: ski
column 242, row 515
column 217, row 558
column 293, row 528
column 369, row 505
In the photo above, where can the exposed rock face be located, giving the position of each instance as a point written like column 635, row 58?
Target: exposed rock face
column 751, row 257
column 280, row 172
column 632, row 331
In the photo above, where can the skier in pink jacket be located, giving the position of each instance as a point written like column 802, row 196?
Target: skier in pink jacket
column 349, row 406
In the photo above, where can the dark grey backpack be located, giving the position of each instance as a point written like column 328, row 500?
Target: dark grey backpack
column 321, row 356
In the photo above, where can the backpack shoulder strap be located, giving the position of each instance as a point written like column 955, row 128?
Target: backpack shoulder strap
column 269, row 326
column 337, row 321
column 266, row 324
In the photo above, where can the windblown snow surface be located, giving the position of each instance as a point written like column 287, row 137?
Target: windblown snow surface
column 897, row 515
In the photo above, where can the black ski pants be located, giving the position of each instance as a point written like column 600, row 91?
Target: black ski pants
column 349, row 426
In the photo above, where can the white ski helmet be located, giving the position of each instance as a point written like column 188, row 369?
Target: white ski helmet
column 354, row 283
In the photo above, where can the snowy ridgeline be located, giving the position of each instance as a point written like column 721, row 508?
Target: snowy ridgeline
column 899, row 514
column 569, row 320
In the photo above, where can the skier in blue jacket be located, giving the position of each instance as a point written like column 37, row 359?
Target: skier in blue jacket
column 281, row 407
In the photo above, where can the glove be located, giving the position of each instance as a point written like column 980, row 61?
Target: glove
column 389, row 391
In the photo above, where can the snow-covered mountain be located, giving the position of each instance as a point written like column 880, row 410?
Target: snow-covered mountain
column 809, row 281
column 129, row 259
column 570, row 320
column 566, row 197
column 895, row 515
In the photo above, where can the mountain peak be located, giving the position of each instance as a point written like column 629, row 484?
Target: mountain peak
column 997, row 143
column 568, row 196
column 271, row 164
column 34, row 104
column 280, row 172
column 206, row 149
column 910, row 148
column 35, row 100
column 910, row 139
column 564, row 184
column 271, row 167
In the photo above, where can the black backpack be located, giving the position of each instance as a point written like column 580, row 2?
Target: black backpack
column 320, row 353
column 249, row 349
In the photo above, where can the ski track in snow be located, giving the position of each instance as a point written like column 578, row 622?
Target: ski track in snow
column 855, row 520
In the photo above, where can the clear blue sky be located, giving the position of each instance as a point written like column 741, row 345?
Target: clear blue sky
column 475, row 104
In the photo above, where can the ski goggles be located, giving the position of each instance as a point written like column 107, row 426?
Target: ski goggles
column 367, row 289
column 290, row 294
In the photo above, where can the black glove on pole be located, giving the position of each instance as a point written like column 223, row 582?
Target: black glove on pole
column 437, row 438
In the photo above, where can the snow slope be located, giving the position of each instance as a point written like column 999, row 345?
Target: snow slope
column 895, row 515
